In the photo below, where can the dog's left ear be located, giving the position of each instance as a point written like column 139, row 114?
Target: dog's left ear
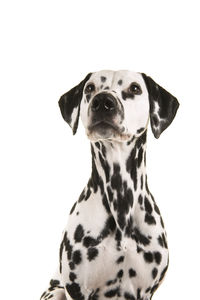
column 69, row 104
column 163, row 106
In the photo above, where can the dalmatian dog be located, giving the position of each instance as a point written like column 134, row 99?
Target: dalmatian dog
column 114, row 245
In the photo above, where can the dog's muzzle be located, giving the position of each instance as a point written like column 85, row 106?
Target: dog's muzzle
column 104, row 115
column 103, row 110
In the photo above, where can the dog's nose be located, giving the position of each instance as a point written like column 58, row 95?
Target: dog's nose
column 104, row 102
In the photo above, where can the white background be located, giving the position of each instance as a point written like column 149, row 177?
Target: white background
column 47, row 47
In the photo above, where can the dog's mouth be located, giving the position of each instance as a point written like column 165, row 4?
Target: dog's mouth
column 103, row 125
column 105, row 129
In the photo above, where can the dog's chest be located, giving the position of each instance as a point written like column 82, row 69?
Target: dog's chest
column 100, row 257
column 107, row 270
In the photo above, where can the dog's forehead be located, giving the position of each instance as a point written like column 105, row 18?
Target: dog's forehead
column 113, row 78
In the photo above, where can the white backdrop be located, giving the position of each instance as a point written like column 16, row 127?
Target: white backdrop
column 47, row 47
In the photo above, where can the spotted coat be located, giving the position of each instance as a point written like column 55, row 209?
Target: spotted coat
column 115, row 244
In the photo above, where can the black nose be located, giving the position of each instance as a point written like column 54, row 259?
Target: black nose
column 104, row 102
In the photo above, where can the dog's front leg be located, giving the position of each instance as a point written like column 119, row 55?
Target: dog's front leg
column 55, row 291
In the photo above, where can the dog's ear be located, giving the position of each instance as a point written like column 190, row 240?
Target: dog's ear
column 69, row 104
column 163, row 106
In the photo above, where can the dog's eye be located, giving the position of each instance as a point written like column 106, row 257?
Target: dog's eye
column 90, row 88
column 135, row 88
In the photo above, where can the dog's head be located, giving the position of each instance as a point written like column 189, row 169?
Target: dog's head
column 117, row 105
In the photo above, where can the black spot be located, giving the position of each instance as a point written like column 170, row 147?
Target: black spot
column 160, row 241
column 72, row 276
column 110, row 282
column 163, row 273
column 71, row 265
column 141, row 182
column 82, row 195
column 140, row 156
column 74, row 291
column 126, row 95
column 154, row 273
column 157, row 257
column 48, row 296
column 141, row 140
column 115, row 204
column 128, row 296
column 87, row 194
column 129, row 226
column 120, row 82
column 105, row 203
column 161, row 222
column 148, row 289
column 109, row 227
column 149, row 219
column 79, row 233
column 139, row 249
column 132, row 273
column 164, row 241
column 96, row 180
column 97, row 145
column 116, row 180
column 124, row 199
column 92, row 253
column 148, row 257
column 60, row 256
column 131, row 166
column 112, row 293
column 156, row 209
column 147, row 206
column 118, row 237
column 129, row 196
column 43, row 295
column 68, row 246
column 131, row 140
column 105, row 166
column 89, row 241
column 140, row 199
column 120, row 260
column 77, row 257
column 138, row 294
column 154, row 288
column 106, row 88
column 110, row 194
column 140, row 130
column 139, row 237
column 146, row 185
column 103, row 78
column 73, row 207
column 54, row 283
column 120, row 274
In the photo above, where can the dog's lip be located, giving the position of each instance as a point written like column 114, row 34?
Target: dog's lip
column 103, row 122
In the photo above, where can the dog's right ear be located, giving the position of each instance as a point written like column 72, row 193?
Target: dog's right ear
column 69, row 104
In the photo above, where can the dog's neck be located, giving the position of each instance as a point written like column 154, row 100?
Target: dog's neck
column 119, row 174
